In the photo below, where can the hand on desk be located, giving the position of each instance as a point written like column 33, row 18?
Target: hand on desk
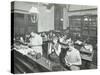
column 68, row 64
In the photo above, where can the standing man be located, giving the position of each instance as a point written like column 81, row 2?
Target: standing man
column 73, row 58
column 36, row 43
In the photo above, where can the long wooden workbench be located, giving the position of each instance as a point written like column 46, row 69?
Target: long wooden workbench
column 41, row 65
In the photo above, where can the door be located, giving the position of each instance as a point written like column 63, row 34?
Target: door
column 58, row 17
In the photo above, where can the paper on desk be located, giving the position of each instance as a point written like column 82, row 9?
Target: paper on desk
column 25, row 51
column 78, row 42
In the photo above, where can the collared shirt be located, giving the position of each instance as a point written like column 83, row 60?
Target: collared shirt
column 73, row 57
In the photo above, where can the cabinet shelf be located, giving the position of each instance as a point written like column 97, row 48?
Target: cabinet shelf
column 85, row 24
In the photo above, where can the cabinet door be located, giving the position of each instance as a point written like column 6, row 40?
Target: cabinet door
column 75, row 24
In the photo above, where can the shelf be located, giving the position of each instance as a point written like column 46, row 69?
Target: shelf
column 75, row 29
column 86, row 24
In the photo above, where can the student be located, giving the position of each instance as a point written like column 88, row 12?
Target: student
column 36, row 43
column 64, row 41
column 73, row 58
column 87, row 54
column 54, row 50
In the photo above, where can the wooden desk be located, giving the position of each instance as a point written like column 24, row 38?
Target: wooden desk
column 86, row 55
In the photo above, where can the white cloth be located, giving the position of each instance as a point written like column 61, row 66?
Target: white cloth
column 36, row 43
